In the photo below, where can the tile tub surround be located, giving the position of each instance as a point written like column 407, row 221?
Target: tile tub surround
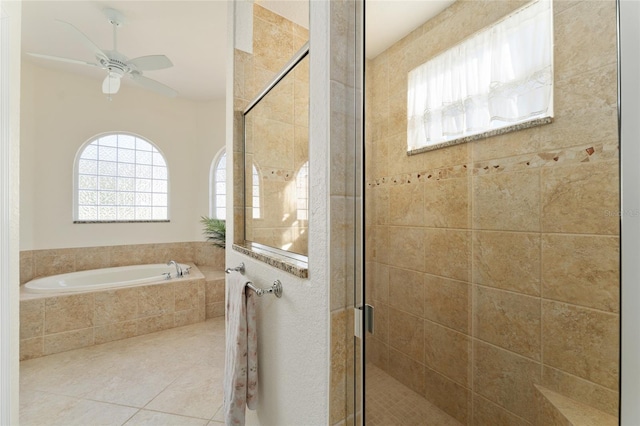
column 494, row 265
column 42, row 263
column 56, row 323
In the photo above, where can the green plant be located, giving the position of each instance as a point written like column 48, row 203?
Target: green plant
column 215, row 230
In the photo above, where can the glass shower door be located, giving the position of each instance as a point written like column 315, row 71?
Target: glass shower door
column 493, row 265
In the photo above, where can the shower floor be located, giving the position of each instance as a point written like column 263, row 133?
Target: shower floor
column 390, row 403
column 173, row 377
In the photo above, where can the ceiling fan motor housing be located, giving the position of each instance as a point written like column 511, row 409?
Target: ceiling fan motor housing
column 116, row 63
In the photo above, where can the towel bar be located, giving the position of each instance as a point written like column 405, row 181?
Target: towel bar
column 276, row 288
column 239, row 268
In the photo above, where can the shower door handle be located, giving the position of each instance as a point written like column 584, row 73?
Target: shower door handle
column 363, row 319
column 368, row 318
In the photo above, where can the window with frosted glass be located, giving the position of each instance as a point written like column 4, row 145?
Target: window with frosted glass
column 498, row 80
column 121, row 178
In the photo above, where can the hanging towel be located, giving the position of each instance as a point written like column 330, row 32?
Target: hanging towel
column 241, row 358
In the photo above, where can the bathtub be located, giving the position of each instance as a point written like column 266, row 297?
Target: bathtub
column 97, row 279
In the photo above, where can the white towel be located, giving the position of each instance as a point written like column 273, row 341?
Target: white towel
column 241, row 360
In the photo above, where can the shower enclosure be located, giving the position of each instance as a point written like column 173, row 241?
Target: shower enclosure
column 493, row 266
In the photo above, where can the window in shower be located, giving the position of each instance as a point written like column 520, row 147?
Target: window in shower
column 498, row 80
column 120, row 178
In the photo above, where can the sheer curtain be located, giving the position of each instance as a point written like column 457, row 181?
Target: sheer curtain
column 499, row 77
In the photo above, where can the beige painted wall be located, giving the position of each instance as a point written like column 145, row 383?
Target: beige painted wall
column 61, row 111
column 494, row 265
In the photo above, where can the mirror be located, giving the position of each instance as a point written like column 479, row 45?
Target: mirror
column 276, row 132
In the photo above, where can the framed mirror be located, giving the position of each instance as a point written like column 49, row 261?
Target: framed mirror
column 276, row 162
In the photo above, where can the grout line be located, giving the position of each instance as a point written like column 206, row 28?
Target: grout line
column 132, row 416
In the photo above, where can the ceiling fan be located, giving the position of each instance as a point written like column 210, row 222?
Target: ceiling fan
column 115, row 63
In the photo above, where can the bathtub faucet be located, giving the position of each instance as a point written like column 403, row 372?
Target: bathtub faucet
column 178, row 268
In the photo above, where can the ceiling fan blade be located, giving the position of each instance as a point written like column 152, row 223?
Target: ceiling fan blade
column 151, row 62
column 85, row 40
column 60, row 59
column 154, row 85
column 111, row 84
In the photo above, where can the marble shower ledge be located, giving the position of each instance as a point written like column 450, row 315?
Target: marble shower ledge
column 292, row 266
column 484, row 135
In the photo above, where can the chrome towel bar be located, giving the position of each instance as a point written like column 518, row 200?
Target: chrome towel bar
column 276, row 289
column 239, row 268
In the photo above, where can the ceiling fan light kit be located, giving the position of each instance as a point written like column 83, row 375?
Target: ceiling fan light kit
column 115, row 63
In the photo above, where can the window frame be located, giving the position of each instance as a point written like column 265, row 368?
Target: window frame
column 76, row 173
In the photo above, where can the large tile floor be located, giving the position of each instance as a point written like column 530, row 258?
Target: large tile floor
column 173, row 377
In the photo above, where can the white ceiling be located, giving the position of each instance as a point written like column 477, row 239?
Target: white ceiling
column 193, row 34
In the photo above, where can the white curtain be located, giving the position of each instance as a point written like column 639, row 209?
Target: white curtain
column 500, row 76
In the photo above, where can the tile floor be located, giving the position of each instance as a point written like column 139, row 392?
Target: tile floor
column 390, row 403
column 173, row 377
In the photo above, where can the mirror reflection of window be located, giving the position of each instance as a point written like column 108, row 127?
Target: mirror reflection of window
column 255, row 192
column 302, row 192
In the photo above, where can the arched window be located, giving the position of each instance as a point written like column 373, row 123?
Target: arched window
column 120, row 178
column 218, row 200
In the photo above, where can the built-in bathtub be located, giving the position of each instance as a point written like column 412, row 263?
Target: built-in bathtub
column 106, row 278
column 80, row 309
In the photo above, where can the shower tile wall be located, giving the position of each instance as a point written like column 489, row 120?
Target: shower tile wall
column 493, row 265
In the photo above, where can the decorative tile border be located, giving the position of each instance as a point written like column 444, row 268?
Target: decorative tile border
column 566, row 156
column 276, row 174
column 292, row 266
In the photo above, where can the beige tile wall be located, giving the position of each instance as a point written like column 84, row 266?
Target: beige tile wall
column 494, row 265
column 55, row 324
